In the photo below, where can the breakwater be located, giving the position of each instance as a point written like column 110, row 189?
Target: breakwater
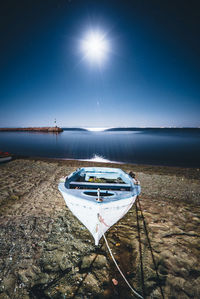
column 34, row 129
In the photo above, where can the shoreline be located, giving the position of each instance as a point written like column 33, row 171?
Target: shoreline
column 190, row 172
column 45, row 252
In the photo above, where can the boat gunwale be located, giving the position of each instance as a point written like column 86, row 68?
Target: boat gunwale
column 97, row 185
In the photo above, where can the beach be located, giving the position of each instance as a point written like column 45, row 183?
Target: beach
column 45, row 252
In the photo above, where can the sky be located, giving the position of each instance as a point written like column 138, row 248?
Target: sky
column 148, row 75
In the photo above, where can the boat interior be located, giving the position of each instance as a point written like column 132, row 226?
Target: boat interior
column 93, row 180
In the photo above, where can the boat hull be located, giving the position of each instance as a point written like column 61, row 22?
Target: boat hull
column 5, row 159
column 98, row 217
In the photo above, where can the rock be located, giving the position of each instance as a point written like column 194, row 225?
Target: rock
column 4, row 296
column 156, row 294
column 91, row 283
column 99, row 262
column 76, row 269
column 30, row 277
column 162, row 270
column 65, row 264
column 8, row 284
column 51, row 246
column 36, row 269
column 23, row 276
column 86, row 262
column 102, row 276
column 42, row 278
column 55, row 261
column 150, row 284
column 177, row 282
column 14, row 197
column 115, row 281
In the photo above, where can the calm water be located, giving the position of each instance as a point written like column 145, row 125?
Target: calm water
column 178, row 147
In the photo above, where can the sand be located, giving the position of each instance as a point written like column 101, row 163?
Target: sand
column 45, row 252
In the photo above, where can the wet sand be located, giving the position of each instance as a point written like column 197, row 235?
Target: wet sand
column 45, row 252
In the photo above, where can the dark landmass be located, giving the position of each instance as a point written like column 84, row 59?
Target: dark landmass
column 74, row 129
column 46, row 253
column 155, row 129
column 34, row 129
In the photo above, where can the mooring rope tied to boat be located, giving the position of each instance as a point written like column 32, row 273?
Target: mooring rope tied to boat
column 118, row 268
column 149, row 243
column 140, row 250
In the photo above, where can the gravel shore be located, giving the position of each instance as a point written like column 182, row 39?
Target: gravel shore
column 45, row 252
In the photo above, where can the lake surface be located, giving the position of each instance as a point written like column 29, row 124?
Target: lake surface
column 174, row 147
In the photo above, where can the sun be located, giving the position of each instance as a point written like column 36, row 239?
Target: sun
column 95, row 46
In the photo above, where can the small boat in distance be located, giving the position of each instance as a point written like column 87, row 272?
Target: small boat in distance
column 99, row 196
column 4, row 157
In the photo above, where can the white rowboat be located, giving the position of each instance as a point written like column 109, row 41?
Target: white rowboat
column 4, row 157
column 99, row 196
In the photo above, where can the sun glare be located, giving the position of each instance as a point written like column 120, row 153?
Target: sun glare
column 93, row 129
column 95, row 46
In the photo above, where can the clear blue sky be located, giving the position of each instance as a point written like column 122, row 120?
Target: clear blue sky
column 151, row 76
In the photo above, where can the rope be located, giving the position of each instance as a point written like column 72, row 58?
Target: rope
column 109, row 249
column 140, row 250
column 151, row 250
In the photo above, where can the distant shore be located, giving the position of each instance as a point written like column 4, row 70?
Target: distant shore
column 35, row 129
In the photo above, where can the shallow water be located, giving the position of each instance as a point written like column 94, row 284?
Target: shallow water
column 174, row 147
